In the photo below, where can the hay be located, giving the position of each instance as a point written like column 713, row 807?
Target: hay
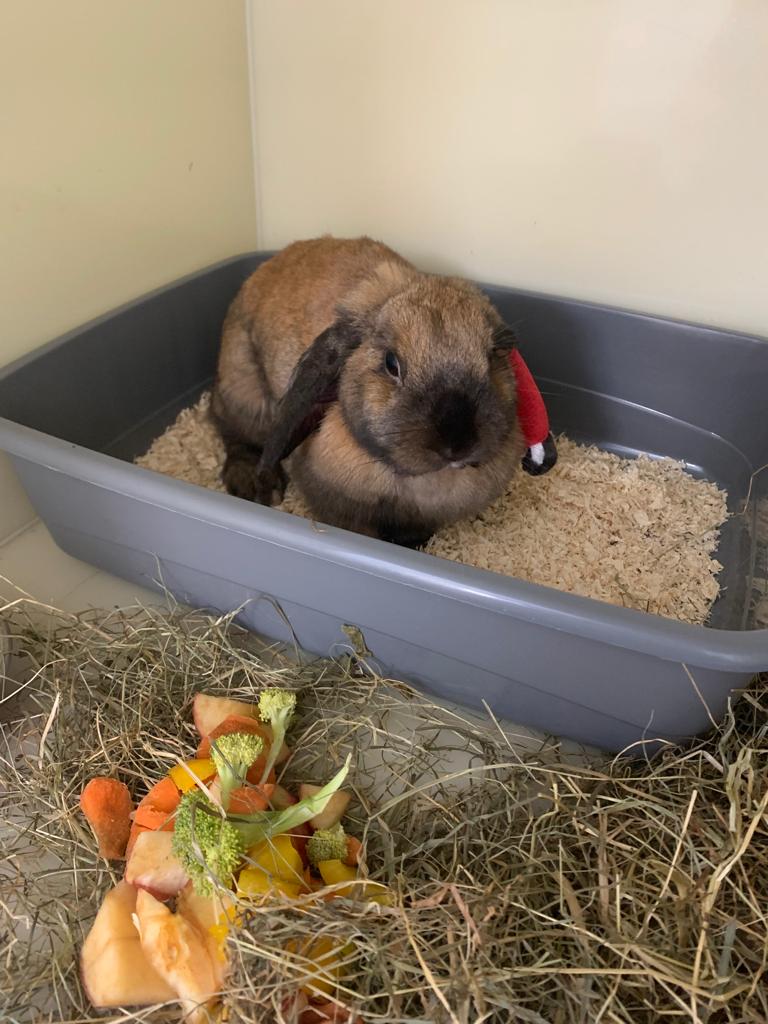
column 527, row 889
column 639, row 533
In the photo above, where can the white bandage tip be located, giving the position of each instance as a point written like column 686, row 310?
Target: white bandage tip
column 537, row 454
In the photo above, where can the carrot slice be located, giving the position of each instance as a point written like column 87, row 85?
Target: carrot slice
column 156, row 809
column 257, row 770
column 153, row 818
column 163, row 796
column 234, row 723
column 299, row 837
column 248, row 799
column 354, row 849
column 107, row 806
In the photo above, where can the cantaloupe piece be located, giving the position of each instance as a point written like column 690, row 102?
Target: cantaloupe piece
column 175, row 948
column 113, row 967
column 212, row 916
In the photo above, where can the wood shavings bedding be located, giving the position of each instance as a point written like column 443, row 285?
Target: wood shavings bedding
column 634, row 532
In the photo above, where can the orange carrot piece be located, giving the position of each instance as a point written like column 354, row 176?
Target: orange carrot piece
column 156, row 810
column 107, row 806
column 163, row 796
column 248, row 799
column 234, row 723
column 299, row 837
column 153, row 818
column 354, row 849
column 257, row 770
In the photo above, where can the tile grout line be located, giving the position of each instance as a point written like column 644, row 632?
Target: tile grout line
column 15, row 534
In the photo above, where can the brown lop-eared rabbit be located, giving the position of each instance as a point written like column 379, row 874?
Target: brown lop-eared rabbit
column 388, row 391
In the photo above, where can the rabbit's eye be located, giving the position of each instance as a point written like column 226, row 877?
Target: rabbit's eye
column 392, row 365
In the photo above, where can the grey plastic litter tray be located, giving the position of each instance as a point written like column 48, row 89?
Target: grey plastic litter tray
column 80, row 408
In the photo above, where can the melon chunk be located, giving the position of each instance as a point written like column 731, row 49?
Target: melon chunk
column 153, row 866
column 176, row 949
column 211, row 915
column 113, row 967
column 334, row 809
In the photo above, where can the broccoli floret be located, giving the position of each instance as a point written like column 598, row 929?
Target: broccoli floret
column 210, row 844
column 233, row 755
column 276, row 706
column 327, row 844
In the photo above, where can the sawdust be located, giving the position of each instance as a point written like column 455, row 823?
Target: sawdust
column 634, row 532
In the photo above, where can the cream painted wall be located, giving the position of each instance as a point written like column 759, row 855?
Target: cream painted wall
column 126, row 160
column 607, row 149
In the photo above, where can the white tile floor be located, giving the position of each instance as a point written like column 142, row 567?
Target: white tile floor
column 31, row 562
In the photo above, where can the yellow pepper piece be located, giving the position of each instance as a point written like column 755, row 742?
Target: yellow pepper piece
column 220, row 930
column 255, row 882
column 203, row 768
column 327, row 956
column 335, row 871
column 378, row 893
column 278, row 857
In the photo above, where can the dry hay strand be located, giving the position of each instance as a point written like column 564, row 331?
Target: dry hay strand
column 527, row 889
column 634, row 532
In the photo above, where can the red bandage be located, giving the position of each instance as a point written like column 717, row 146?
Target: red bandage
column 531, row 410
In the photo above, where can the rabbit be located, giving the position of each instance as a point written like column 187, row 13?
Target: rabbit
column 388, row 391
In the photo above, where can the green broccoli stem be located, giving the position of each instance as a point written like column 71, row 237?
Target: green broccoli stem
column 226, row 787
column 262, row 825
column 279, row 729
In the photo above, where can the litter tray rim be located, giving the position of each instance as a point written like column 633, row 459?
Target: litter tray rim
column 264, row 254
column 733, row 651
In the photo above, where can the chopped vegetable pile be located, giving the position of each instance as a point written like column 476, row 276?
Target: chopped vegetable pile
column 523, row 887
column 214, row 837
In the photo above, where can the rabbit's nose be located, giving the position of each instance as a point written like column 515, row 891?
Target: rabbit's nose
column 455, row 426
column 459, row 455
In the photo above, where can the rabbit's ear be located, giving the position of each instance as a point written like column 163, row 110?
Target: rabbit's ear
column 504, row 338
column 313, row 387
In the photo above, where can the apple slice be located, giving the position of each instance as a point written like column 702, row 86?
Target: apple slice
column 281, row 798
column 113, row 967
column 209, row 711
column 334, row 809
column 153, row 866
column 175, row 948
